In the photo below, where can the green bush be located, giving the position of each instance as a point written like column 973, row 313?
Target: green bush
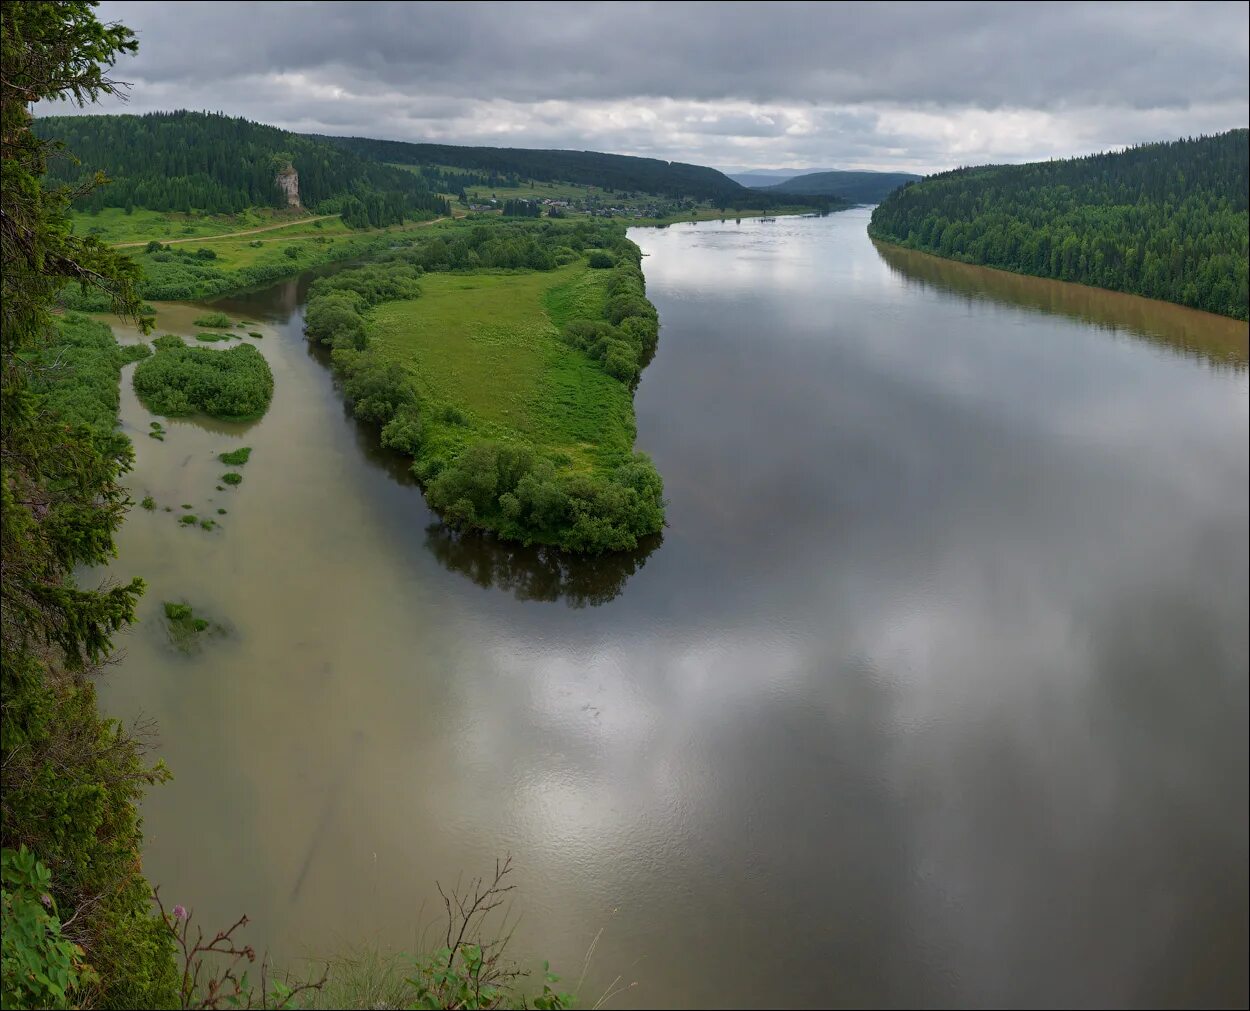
column 601, row 260
column 235, row 385
column 40, row 967
column 237, row 457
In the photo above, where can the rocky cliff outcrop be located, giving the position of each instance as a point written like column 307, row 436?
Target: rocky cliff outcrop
column 288, row 182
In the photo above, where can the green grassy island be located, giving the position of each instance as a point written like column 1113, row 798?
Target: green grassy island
column 503, row 363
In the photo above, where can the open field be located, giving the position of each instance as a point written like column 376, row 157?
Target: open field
column 215, row 266
column 487, row 344
column 115, row 227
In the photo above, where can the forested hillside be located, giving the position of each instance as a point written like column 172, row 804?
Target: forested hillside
column 192, row 161
column 1166, row 220
column 611, row 171
column 856, row 187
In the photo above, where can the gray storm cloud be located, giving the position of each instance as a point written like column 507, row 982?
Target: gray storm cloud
column 877, row 85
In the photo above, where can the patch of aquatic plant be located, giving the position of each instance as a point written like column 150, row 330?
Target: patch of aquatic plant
column 208, row 524
column 183, row 626
column 148, row 503
column 235, row 458
column 232, row 478
column 254, row 333
column 213, row 319
column 209, row 338
column 232, row 385
column 188, row 519
column 221, row 512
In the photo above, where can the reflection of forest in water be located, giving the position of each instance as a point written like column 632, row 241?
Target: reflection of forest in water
column 1219, row 340
column 536, row 572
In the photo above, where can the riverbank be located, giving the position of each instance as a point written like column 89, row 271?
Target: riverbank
column 1220, row 340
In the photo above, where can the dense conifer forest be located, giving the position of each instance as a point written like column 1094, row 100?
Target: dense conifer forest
column 1166, row 220
column 593, row 168
column 193, row 161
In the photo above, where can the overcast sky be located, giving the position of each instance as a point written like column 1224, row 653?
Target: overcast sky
column 735, row 85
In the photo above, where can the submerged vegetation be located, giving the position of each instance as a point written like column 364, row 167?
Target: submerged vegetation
column 511, row 391
column 1167, row 221
column 181, row 622
column 236, row 457
column 178, row 380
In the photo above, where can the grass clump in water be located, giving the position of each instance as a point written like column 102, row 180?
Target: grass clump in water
column 183, row 626
column 208, row 524
column 255, row 333
column 235, row 458
column 188, row 519
column 234, row 385
column 214, row 319
column 221, row 512
column 232, row 478
column 148, row 503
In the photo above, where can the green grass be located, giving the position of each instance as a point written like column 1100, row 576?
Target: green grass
column 235, row 458
column 177, row 273
column 114, row 226
column 232, row 478
column 183, row 626
column 213, row 319
column 487, row 344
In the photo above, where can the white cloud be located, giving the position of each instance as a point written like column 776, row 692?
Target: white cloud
column 921, row 87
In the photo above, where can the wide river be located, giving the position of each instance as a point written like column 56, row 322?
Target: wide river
column 934, row 691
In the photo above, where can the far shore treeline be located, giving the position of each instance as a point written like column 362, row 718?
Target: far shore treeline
column 1167, row 221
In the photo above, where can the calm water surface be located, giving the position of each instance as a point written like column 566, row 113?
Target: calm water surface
column 935, row 690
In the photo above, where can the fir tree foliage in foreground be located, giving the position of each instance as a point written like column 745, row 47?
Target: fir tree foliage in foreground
column 1167, row 221
column 69, row 821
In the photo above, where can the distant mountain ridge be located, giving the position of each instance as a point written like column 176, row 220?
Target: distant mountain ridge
column 217, row 164
column 760, row 178
column 611, row 171
column 858, row 187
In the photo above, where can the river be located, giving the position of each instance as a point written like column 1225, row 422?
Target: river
column 933, row 692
